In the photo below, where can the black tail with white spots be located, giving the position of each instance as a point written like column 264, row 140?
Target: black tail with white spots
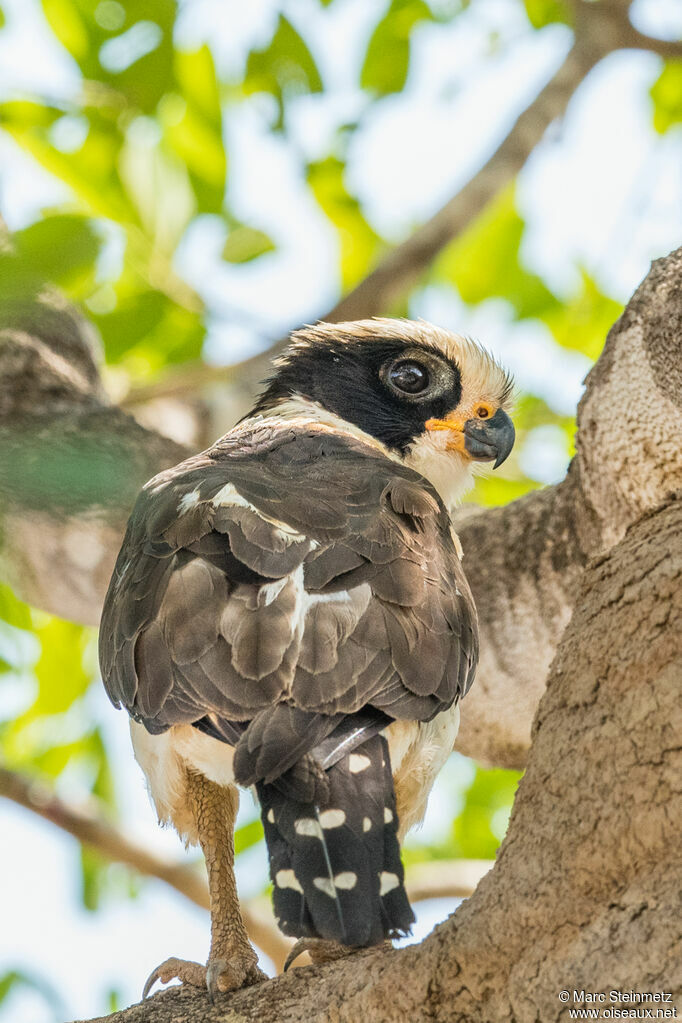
column 335, row 862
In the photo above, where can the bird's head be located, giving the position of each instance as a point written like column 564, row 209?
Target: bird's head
column 436, row 401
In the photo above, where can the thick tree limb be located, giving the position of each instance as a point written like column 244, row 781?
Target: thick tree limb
column 585, row 893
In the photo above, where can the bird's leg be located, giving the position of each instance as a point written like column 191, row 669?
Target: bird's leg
column 232, row 961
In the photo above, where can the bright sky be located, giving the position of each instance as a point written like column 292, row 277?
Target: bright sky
column 602, row 191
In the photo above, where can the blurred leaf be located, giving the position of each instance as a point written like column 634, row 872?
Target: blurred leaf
column 247, row 836
column 12, row 610
column 360, row 244
column 246, row 243
column 67, row 24
column 494, row 491
column 103, row 780
column 388, row 53
column 284, row 68
column 91, row 172
column 2, row 18
column 59, row 673
column 484, row 262
column 62, row 249
column 14, row 979
column 93, row 877
column 149, row 330
column 666, row 93
column 136, row 61
column 114, row 1000
column 192, row 120
column 490, row 792
column 583, row 322
column 548, row 12
column 158, row 186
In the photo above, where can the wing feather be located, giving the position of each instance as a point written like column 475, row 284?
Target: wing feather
column 290, row 567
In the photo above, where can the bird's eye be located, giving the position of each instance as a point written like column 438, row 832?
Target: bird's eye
column 409, row 377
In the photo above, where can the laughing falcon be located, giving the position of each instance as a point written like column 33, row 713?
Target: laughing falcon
column 289, row 612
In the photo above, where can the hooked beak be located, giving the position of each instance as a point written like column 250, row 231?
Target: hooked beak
column 489, row 440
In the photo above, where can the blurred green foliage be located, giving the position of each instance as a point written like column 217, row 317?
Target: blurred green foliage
column 141, row 148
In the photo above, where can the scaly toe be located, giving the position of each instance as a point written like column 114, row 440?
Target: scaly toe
column 180, row 969
column 320, row 951
column 231, row 974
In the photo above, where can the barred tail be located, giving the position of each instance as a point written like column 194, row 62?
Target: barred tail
column 335, row 862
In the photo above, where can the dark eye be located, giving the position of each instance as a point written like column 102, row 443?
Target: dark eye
column 409, row 377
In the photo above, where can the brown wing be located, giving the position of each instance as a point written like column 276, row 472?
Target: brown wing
column 287, row 567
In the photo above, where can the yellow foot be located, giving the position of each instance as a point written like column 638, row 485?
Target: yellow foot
column 219, row 975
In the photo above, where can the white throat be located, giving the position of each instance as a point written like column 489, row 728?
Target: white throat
column 449, row 472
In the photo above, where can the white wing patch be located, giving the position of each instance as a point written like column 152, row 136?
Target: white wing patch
column 188, row 501
column 229, row 497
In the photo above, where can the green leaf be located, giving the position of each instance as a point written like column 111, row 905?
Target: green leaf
column 583, row 322
column 62, row 249
column 666, row 93
column 147, row 331
column 2, row 18
column 158, row 185
column 388, row 53
column 491, row 791
column 92, row 171
column 484, row 262
column 93, row 877
column 69, row 26
column 284, row 68
column 494, row 491
column 12, row 610
column 136, row 61
column 14, row 979
column 246, row 243
column 59, row 671
column 247, row 836
column 360, row 245
column 192, row 121
column 548, row 12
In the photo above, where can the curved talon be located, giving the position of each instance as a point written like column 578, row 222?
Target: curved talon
column 327, row 951
column 150, row 982
column 214, row 970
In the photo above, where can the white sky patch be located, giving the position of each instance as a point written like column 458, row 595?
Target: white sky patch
column 544, row 456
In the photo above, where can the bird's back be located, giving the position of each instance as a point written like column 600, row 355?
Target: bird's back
column 291, row 592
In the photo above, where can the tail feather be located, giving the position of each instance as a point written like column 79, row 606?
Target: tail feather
column 335, row 863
